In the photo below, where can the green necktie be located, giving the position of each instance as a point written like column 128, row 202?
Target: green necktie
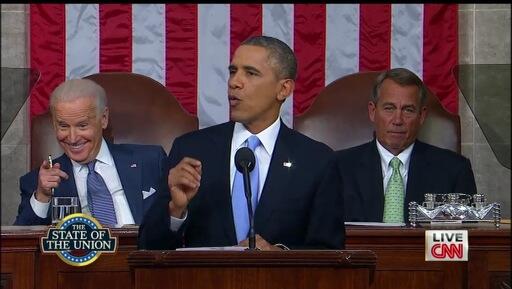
column 394, row 199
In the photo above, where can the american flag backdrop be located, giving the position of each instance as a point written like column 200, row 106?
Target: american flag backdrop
column 187, row 47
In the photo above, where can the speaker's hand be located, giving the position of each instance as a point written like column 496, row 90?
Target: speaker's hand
column 184, row 181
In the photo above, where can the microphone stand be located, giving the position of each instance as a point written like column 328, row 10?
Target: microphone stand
column 248, row 196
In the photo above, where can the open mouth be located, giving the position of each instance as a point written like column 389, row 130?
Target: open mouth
column 233, row 100
column 76, row 147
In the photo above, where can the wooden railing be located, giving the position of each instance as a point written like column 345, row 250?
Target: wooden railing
column 400, row 260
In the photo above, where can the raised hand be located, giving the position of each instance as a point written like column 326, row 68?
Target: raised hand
column 184, row 181
column 49, row 177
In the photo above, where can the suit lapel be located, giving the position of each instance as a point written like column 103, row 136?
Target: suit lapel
column 66, row 188
column 277, row 178
column 222, row 199
column 129, row 171
column 369, row 178
column 418, row 167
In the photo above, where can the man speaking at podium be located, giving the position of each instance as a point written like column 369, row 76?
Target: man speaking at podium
column 298, row 202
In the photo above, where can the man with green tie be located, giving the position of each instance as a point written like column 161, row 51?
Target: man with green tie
column 382, row 176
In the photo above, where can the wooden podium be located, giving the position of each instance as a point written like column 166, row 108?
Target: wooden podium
column 252, row 269
column 400, row 261
column 24, row 266
column 401, row 258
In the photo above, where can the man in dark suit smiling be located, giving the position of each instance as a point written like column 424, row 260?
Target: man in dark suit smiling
column 381, row 177
column 298, row 203
column 129, row 174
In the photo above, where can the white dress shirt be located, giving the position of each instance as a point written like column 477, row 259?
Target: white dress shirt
column 387, row 170
column 263, row 154
column 106, row 167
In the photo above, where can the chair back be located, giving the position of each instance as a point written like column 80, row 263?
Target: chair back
column 142, row 111
column 339, row 116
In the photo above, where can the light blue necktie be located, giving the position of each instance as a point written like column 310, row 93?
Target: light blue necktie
column 99, row 197
column 239, row 202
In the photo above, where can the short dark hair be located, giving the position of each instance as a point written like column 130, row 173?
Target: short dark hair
column 403, row 77
column 280, row 54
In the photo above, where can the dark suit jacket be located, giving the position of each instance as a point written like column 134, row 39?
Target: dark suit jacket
column 150, row 171
column 300, row 206
column 431, row 170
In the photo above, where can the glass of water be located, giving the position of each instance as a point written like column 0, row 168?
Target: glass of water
column 63, row 206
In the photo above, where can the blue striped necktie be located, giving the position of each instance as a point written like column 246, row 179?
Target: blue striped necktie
column 239, row 202
column 99, row 197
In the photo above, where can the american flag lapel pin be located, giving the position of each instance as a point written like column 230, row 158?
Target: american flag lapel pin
column 133, row 166
column 287, row 164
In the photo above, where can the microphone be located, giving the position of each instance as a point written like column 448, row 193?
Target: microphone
column 245, row 163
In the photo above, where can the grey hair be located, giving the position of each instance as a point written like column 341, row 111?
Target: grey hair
column 280, row 54
column 403, row 77
column 79, row 88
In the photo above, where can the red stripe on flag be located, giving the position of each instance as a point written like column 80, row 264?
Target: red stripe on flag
column 374, row 37
column 440, row 48
column 309, row 47
column 245, row 22
column 115, row 37
column 181, row 53
column 47, row 52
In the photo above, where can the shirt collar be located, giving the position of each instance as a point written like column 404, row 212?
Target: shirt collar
column 103, row 156
column 267, row 136
column 386, row 156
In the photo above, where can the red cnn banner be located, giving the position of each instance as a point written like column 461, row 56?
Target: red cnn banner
column 446, row 245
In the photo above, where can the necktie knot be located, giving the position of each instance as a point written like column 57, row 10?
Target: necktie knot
column 253, row 142
column 90, row 165
column 395, row 163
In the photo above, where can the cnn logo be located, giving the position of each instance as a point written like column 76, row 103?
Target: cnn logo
column 446, row 245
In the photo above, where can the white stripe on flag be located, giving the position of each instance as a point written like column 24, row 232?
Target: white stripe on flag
column 148, row 55
column 407, row 37
column 278, row 22
column 82, row 40
column 213, row 62
column 342, row 41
